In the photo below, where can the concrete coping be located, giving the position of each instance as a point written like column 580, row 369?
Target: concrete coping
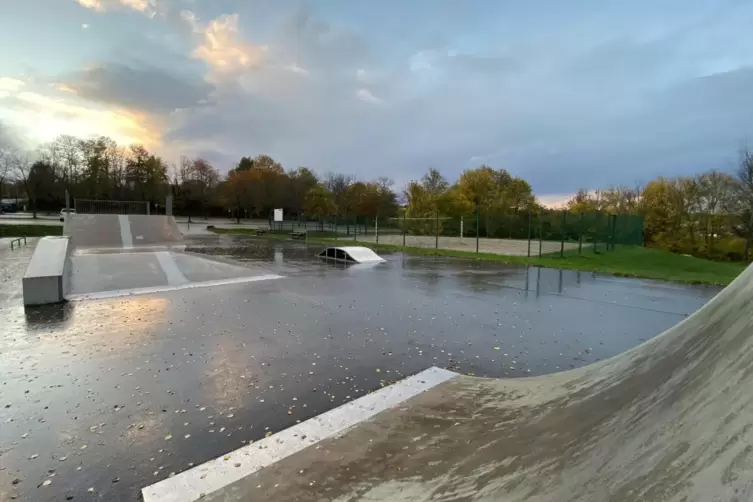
column 44, row 280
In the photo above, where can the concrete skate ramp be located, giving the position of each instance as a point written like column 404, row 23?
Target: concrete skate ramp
column 127, row 255
column 670, row 420
column 107, row 275
column 122, row 231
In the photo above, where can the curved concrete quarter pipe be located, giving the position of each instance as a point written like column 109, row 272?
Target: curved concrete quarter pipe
column 671, row 420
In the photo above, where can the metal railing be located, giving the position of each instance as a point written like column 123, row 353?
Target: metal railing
column 17, row 240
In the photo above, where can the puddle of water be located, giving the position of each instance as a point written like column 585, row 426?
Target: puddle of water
column 216, row 367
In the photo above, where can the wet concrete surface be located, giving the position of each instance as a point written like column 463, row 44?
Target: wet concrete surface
column 92, row 273
column 102, row 398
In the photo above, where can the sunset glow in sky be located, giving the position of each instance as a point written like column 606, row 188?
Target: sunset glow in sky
column 564, row 94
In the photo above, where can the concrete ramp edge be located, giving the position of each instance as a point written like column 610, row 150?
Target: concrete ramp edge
column 202, row 480
column 122, row 231
column 670, row 420
column 45, row 281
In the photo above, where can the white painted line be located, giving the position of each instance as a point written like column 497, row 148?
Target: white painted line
column 125, row 231
column 222, row 471
column 100, row 295
column 174, row 276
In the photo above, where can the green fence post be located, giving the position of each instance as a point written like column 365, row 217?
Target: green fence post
column 541, row 231
column 614, row 231
column 596, row 232
column 607, row 232
column 376, row 228
column 403, row 229
column 436, row 230
column 562, row 233
column 608, row 237
column 335, row 227
column 529, row 233
column 478, row 219
column 580, row 235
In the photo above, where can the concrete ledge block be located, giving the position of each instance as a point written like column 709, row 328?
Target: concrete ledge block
column 44, row 281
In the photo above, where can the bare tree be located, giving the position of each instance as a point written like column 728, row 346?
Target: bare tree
column 714, row 189
column 337, row 184
column 4, row 160
column 434, row 183
column 4, row 168
column 22, row 170
column 193, row 183
column 116, row 160
column 69, row 149
column 8, row 153
column 742, row 203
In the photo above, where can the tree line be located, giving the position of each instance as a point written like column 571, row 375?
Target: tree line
column 100, row 169
column 707, row 215
column 85, row 168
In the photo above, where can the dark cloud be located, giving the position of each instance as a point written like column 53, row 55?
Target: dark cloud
column 559, row 141
column 590, row 94
column 584, row 109
column 315, row 43
column 138, row 87
column 697, row 125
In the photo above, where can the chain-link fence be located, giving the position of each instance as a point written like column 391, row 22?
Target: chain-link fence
column 83, row 206
column 550, row 232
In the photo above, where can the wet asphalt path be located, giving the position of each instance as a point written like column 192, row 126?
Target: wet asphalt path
column 101, row 398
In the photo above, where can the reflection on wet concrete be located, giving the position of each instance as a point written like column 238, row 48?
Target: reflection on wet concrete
column 45, row 315
column 94, row 273
column 113, row 395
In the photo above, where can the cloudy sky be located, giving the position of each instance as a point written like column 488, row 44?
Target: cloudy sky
column 566, row 94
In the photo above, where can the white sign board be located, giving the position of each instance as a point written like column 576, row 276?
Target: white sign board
column 278, row 214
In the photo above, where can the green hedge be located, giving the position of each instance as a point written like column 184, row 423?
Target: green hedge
column 30, row 230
